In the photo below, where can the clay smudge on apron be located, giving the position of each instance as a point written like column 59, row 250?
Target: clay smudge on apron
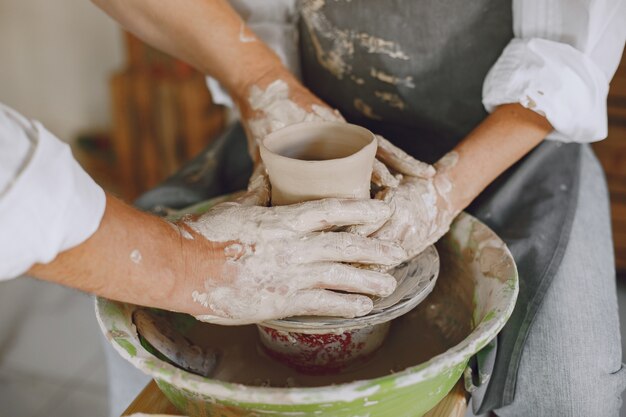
column 336, row 59
column 365, row 109
column 392, row 79
column 391, row 99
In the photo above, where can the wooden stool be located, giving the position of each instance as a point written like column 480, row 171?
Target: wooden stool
column 152, row 401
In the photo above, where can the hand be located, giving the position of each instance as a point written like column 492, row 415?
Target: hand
column 279, row 261
column 422, row 210
column 277, row 100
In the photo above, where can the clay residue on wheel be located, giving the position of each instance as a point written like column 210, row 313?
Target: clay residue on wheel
column 439, row 323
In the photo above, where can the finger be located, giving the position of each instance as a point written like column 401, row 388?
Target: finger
column 327, row 114
column 369, row 229
column 230, row 321
column 347, row 247
column 382, row 177
column 258, row 193
column 327, row 303
column 322, row 214
column 402, row 162
column 341, row 277
column 365, row 229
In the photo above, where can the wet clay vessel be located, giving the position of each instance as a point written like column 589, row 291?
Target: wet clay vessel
column 314, row 160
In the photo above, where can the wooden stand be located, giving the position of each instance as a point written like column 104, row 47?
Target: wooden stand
column 152, row 400
column 163, row 115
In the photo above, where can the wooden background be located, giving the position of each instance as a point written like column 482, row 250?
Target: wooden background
column 612, row 155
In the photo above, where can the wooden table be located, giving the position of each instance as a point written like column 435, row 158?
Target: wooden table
column 152, row 401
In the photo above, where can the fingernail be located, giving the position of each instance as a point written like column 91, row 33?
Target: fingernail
column 381, row 209
column 388, row 287
column 398, row 253
column 363, row 306
column 394, row 253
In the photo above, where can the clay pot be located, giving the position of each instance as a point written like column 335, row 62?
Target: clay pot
column 314, row 160
column 310, row 161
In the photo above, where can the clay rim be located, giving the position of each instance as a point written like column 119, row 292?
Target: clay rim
column 480, row 336
column 297, row 126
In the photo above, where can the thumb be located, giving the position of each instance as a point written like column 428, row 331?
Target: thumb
column 400, row 161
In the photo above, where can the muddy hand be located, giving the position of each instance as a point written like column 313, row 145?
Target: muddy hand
column 422, row 211
column 282, row 261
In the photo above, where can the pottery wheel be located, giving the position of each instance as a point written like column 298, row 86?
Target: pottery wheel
column 416, row 278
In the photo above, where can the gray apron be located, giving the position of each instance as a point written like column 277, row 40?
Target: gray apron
column 412, row 70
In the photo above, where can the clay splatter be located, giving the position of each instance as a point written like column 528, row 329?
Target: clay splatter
column 338, row 56
column 365, row 109
column 391, row 99
column 245, row 37
column 392, row 79
column 135, row 256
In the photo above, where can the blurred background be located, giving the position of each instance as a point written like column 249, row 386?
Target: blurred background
column 132, row 116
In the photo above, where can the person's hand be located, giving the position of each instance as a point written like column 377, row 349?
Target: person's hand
column 422, row 210
column 282, row 261
column 277, row 100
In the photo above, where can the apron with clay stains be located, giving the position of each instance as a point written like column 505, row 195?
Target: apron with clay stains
column 412, row 70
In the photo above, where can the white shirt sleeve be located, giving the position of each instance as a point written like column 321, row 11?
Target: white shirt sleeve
column 560, row 63
column 47, row 202
column 272, row 21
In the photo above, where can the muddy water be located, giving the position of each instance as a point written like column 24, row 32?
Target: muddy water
column 440, row 322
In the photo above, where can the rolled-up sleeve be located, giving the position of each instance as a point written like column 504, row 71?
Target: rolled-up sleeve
column 48, row 203
column 273, row 22
column 560, row 63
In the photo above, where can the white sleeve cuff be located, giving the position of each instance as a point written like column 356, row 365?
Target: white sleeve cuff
column 52, row 206
column 555, row 80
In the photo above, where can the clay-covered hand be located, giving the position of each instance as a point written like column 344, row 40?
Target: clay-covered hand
column 283, row 261
column 422, row 210
column 283, row 102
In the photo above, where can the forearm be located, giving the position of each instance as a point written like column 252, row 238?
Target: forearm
column 212, row 37
column 209, row 35
column 502, row 139
column 132, row 257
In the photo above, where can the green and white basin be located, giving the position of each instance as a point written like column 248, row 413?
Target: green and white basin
column 474, row 297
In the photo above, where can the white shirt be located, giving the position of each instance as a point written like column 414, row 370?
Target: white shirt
column 559, row 64
column 47, row 202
